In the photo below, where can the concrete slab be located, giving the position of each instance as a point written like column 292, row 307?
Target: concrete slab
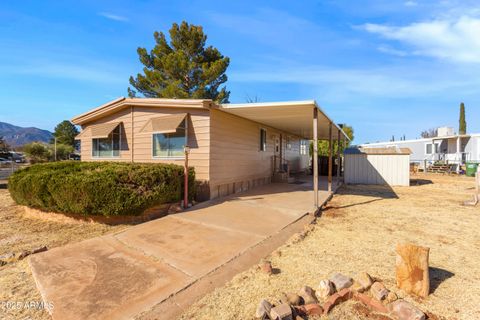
column 102, row 279
column 246, row 216
column 192, row 247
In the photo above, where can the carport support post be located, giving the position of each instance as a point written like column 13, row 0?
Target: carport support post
column 315, row 158
column 339, row 167
column 330, row 157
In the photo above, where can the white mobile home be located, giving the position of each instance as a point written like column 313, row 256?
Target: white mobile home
column 446, row 147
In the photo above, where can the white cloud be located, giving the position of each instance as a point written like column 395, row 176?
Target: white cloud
column 411, row 3
column 452, row 39
column 114, row 17
column 392, row 51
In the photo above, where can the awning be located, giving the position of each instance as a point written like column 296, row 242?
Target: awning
column 295, row 117
column 98, row 131
column 164, row 124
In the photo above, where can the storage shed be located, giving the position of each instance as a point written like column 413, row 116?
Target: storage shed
column 383, row 166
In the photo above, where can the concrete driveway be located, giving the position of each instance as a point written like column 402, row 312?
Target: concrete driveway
column 121, row 275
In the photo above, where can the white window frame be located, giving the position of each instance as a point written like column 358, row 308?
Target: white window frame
column 264, row 146
column 304, row 147
column 435, row 147
column 119, row 145
column 170, row 157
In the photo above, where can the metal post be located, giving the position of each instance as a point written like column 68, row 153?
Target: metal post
column 315, row 157
column 185, row 174
column 339, row 167
column 330, row 158
column 459, row 154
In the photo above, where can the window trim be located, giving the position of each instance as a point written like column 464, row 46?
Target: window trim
column 435, row 147
column 263, row 147
column 119, row 145
column 170, row 157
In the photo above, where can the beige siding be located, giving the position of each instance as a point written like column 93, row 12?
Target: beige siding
column 393, row 170
column 198, row 137
column 236, row 162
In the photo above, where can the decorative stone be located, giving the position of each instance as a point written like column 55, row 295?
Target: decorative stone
column 282, row 298
column 340, row 281
column 281, row 312
column 403, row 310
column 364, row 280
column 263, row 309
column 392, row 296
column 379, row 291
column 335, row 299
column 412, row 269
column 308, row 295
column 370, row 302
column 266, row 267
column 6, row 258
column 313, row 309
column 325, row 289
column 294, row 299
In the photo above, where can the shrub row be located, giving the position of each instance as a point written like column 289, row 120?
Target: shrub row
column 98, row 188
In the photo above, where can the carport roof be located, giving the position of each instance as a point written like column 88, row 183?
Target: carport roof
column 295, row 117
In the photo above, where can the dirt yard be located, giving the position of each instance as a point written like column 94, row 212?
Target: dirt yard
column 18, row 233
column 358, row 232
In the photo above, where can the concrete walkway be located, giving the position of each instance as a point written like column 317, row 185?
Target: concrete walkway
column 121, row 275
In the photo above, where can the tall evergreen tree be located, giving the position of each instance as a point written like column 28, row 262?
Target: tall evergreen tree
column 182, row 68
column 462, row 127
column 65, row 133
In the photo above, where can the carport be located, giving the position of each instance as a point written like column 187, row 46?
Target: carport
column 302, row 118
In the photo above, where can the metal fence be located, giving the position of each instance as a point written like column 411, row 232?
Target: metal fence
column 6, row 169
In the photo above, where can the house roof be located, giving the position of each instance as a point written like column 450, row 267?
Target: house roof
column 295, row 117
column 122, row 102
column 378, row 151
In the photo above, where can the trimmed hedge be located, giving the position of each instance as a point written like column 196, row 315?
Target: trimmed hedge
column 98, row 188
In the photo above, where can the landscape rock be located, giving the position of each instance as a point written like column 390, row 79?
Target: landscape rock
column 266, row 267
column 412, row 269
column 308, row 295
column 336, row 298
column 263, row 309
column 403, row 310
column 370, row 302
column 282, row 298
column 340, row 281
column 294, row 299
column 313, row 309
column 364, row 280
column 392, row 296
column 325, row 289
column 379, row 291
column 281, row 312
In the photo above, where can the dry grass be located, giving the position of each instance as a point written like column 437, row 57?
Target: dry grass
column 18, row 233
column 358, row 232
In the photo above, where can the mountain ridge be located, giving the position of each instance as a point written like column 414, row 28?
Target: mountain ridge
column 17, row 136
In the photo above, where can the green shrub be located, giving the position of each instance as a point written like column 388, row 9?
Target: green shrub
column 98, row 188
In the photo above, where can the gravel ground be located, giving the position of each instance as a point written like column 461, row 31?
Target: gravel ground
column 358, row 232
column 18, row 233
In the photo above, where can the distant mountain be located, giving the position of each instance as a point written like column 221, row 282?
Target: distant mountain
column 17, row 136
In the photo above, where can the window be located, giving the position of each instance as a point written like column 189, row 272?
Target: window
column 304, row 147
column 107, row 147
column 170, row 145
column 429, row 146
column 288, row 143
column 263, row 140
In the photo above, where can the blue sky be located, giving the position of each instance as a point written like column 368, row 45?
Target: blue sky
column 385, row 67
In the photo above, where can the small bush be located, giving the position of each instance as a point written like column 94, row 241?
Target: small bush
column 98, row 188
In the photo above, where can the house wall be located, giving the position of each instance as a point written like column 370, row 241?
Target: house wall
column 198, row 137
column 393, row 170
column 236, row 162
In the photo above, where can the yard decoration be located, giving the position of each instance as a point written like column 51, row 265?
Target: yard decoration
column 412, row 269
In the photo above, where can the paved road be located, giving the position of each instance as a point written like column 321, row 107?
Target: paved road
column 119, row 276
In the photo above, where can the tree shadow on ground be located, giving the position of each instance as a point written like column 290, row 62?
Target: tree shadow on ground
column 437, row 276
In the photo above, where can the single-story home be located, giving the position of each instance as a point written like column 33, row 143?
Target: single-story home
column 233, row 147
